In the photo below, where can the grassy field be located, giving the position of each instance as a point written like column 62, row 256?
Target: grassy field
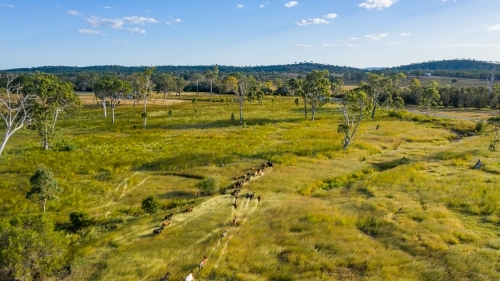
column 402, row 203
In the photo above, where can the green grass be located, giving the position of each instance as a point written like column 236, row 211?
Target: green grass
column 402, row 203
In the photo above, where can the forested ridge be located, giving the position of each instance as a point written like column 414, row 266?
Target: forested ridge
column 286, row 68
column 460, row 68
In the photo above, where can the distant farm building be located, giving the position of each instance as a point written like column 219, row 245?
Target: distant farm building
column 427, row 74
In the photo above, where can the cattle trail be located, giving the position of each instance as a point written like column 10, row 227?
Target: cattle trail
column 123, row 185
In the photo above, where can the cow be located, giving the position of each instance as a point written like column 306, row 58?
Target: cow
column 157, row 231
column 166, row 277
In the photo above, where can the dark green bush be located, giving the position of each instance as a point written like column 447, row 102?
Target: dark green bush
column 80, row 219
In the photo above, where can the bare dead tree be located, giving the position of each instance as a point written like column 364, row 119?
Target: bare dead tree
column 15, row 110
column 491, row 81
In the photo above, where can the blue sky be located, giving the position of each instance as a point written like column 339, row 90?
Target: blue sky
column 359, row 33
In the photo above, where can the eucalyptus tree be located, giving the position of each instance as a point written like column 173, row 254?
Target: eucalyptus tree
column 229, row 84
column 381, row 88
column 240, row 93
column 491, row 81
column 196, row 78
column 495, row 123
column 337, row 87
column 16, row 107
column 430, row 97
column 295, row 85
column 355, row 105
column 317, row 89
column 44, row 186
column 179, row 83
column 164, row 83
column 212, row 76
column 100, row 95
column 52, row 97
column 144, row 89
column 113, row 88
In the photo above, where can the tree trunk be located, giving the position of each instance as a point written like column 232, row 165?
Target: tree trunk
column 374, row 110
column 44, row 203
column 165, row 95
column 347, row 142
column 103, row 102
column 45, row 143
column 197, row 88
column 313, row 110
column 112, row 114
column 241, row 112
column 211, row 86
column 5, row 139
column 305, row 109
column 145, row 114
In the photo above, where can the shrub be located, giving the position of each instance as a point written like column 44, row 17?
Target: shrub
column 209, row 185
column 232, row 116
column 479, row 125
column 103, row 175
column 79, row 219
column 151, row 204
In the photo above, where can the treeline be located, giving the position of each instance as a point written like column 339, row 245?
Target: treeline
column 296, row 68
column 458, row 97
column 459, row 68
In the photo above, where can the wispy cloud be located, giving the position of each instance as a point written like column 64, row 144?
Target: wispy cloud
column 302, row 45
column 136, row 30
column 377, row 36
column 377, row 4
column 353, row 38
column 108, row 7
column 89, row 31
column 74, row 13
column 178, row 20
column 7, row 5
column 352, row 45
column 327, row 45
column 139, row 20
column 312, row 21
column 321, row 20
column 98, row 22
column 240, row 6
column 405, row 34
column 263, row 5
column 469, row 45
column 291, row 4
column 120, row 41
column 396, row 43
column 495, row 27
column 330, row 16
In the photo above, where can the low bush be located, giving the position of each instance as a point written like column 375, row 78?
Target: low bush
column 80, row 219
column 209, row 186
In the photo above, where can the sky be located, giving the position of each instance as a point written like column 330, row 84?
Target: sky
column 357, row 33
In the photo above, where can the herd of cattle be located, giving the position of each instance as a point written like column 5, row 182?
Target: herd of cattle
column 238, row 183
column 236, row 186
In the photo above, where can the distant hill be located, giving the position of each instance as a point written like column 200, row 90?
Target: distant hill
column 460, row 68
column 298, row 68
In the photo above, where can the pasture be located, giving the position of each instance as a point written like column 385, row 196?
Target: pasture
column 402, row 203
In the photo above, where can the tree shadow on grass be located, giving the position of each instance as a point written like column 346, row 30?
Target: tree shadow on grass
column 186, row 161
column 227, row 123
column 176, row 194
